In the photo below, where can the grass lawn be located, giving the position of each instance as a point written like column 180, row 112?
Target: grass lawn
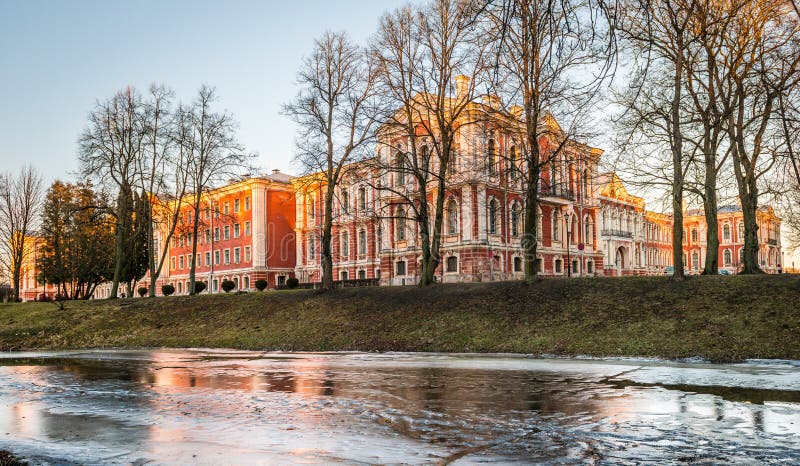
column 722, row 318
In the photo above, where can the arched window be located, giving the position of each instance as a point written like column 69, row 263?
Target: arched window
column 516, row 217
column 726, row 232
column 362, row 242
column 344, row 200
column 512, row 163
column 556, row 221
column 312, row 249
column 400, row 167
column 587, row 229
column 574, row 229
column 452, row 217
column 345, row 244
column 491, row 159
column 586, row 193
column 555, row 178
column 726, row 258
column 539, row 231
column 493, row 212
column 401, row 223
column 424, row 154
column 310, row 206
column 362, row 198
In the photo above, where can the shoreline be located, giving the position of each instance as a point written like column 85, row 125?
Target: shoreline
column 720, row 319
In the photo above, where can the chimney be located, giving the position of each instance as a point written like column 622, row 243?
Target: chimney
column 462, row 86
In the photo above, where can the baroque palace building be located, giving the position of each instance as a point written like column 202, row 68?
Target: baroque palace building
column 375, row 236
column 269, row 227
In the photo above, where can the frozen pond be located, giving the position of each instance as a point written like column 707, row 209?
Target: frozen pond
column 231, row 407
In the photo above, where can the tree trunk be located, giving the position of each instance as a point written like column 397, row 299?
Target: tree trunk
column 119, row 240
column 749, row 205
column 530, row 240
column 677, row 163
column 195, row 228
column 711, row 266
column 327, row 250
column 151, row 260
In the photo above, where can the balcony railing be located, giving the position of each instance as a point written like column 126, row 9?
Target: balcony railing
column 617, row 233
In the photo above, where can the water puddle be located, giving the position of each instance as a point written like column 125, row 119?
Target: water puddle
column 223, row 407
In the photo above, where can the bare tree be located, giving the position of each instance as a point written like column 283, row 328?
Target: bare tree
column 154, row 165
column 425, row 54
column 169, row 200
column 552, row 57
column 660, row 31
column 214, row 156
column 335, row 113
column 111, row 149
column 20, row 199
column 764, row 65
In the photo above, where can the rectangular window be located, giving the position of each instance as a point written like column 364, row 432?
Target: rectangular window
column 215, row 285
column 208, row 236
column 216, row 257
column 452, row 264
column 181, row 262
column 247, row 254
column 236, row 206
column 180, row 241
column 247, row 204
column 216, row 234
column 172, row 263
column 362, row 274
column 208, row 259
column 227, row 232
column 227, row 254
column 227, row 208
column 237, row 255
column 400, row 268
column 247, row 228
column 236, row 231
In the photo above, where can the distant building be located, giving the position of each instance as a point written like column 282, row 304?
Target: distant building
column 29, row 287
column 730, row 221
column 636, row 241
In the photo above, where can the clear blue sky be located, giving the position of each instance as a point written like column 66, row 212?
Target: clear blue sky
column 58, row 57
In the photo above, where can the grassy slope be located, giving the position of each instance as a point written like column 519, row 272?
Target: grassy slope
column 720, row 318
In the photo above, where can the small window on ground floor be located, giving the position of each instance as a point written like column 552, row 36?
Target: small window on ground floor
column 281, row 279
column 400, row 268
column 362, row 274
column 247, row 282
column 215, row 285
column 343, row 274
column 517, row 264
column 452, row 264
column 377, row 273
column 557, row 266
column 575, row 267
column 590, row 267
column 540, row 265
